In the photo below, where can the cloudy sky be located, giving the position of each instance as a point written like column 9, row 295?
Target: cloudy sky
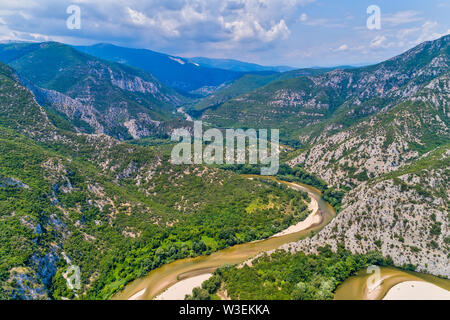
column 272, row 32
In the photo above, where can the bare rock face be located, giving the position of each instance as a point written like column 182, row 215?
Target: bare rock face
column 405, row 218
column 72, row 108
column 11, row 182
column 396, row 164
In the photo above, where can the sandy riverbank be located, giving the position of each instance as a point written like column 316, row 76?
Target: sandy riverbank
column 417, row 290
column 138, row 295
column 183, row 287
column 394, row 284
column 313, row 219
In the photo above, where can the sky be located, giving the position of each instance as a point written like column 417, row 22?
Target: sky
column 297, row 33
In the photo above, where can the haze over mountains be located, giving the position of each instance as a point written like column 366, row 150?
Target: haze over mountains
column 73, row 191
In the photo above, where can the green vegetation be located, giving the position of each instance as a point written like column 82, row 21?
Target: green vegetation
column 134, row 233
column 310, row 105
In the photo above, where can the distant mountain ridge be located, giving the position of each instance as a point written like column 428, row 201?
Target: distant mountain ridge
column 236, row 65
column 176, row 72
column 310, row 106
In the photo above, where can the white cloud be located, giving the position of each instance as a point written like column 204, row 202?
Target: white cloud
column 401, row 17
column 159, row 21
column 251, row 30
column 377, row 41
column 342, row 48
column 243, row 29
column 429, row 31
column 217, row 20
column 138, row 18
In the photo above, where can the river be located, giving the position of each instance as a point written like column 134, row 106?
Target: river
column 158, row 280
column 162, row 278
column 355, row 287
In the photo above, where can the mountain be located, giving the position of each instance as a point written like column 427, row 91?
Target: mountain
column 176, row 72
column 73, row 194
column 93, row 94
column 113, row 209
column 249, row 83
column 386, row 141
column 402, row 214
column 308, row 107
column 236, row 65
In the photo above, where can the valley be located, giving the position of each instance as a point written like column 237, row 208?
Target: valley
column 86, row 177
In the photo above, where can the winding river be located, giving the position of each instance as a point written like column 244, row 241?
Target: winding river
column 158, row 280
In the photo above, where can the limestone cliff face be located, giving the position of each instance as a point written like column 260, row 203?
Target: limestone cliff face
column 96, row 96
column 405, row 217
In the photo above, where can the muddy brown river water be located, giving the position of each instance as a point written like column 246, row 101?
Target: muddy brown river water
column 160, row 279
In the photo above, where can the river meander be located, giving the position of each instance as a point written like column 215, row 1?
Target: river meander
column 354, row 288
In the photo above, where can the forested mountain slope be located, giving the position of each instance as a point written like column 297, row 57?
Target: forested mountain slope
column 249, row 83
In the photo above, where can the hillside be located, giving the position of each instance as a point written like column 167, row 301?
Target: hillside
column 397, row 166
column 94, row 95
column 403, row 214
column 386, row 141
